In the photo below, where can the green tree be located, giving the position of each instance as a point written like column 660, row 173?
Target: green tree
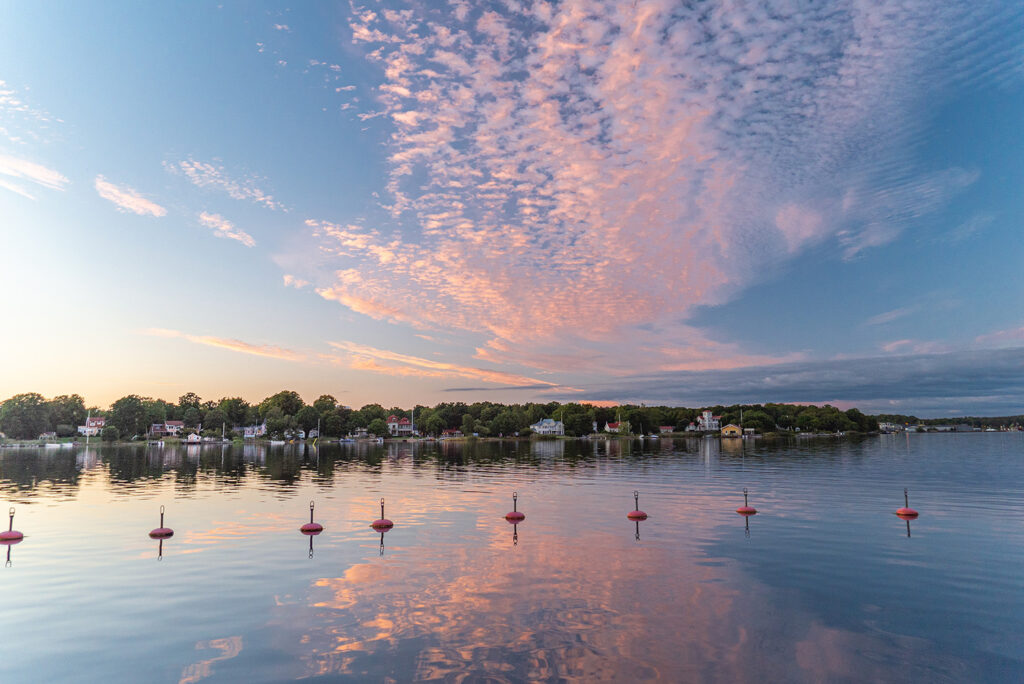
column 333, row 425
column 534, row 413
column 191, row 417
column 504, row 423
column 277, row 421
column 67, row 410
column 189, row 400
column 236, row 409
column 288, row 401
column 325, row 403
column 307, row 418
column 25, row 416
column 468, row 424
column 434, row 425
column 128, row 415
column 214, row 420
column 110, row 434
column 378, row 427
column 371, row 412
column 759, row 420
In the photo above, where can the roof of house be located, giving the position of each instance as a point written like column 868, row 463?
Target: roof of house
column 179, row 423
column 613, row 425
column 731, row 425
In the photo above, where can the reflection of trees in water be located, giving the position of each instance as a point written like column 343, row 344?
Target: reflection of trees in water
column 26, row 470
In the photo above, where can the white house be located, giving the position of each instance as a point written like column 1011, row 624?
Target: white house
column 92, row 426
column 666, row 429
column 547, row 426
column 707, row 422
column 254, row 431
column 611, row 427
column 399, row 427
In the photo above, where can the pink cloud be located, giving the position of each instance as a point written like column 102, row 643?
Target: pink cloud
column 207, row 175
column 364, row 357
column 226, row 229
column 31, row 171
column 606, row 172
column 127, row 199
column 229, row 344
column 1011, row 337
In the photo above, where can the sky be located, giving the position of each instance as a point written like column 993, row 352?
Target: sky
column 650, row 201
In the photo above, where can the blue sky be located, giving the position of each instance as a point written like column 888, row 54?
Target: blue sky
column 416, row 202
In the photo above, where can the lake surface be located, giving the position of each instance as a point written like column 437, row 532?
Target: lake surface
column 823, row 584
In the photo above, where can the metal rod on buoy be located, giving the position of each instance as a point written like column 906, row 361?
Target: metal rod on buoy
column 636, row 513
column 746, row 508
column 514, row 516
column 906, row 511
column 383, row 524
column 10, row 525
column 310, row 517
column 161, row 532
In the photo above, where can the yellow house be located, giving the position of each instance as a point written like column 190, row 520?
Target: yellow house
column 731, row 430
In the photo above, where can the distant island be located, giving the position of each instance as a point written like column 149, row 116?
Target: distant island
column 285, row 415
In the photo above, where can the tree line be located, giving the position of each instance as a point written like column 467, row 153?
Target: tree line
column 26, row 416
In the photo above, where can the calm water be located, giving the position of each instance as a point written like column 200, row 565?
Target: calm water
column 824, row 585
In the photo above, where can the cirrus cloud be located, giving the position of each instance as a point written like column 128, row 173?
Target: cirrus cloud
column 127, row 199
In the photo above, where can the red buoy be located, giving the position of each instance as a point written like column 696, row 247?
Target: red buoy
column 161, row 532
column 311, row 527
column 907, row 513
column 514, row 516
column 383, row 524
column 636, row 514
column 11, row 535
column 746, row 509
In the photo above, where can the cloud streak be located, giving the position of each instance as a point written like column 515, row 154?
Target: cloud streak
column 127, row 199
column 225, row 229
column 365, row 357
column 213, row 176
column 31, row 171
column 229, row 344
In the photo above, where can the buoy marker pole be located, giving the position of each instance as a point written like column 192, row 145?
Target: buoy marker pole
column 382, row 511
column 745, row 504
column 10, row 524
column 515, row 495
column 636, row 500
column 161, row 516
column 906, row 498
column 311, row 517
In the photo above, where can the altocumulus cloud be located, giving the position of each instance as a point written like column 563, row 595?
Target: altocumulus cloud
column 637, row 159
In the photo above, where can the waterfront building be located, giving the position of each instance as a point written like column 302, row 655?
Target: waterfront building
column 666, row 429
column 612, row 427
column 707, row 422
column 547, row 426
column 92, row 426
column 254, row 431
column 732, row 430
column 399, row 427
